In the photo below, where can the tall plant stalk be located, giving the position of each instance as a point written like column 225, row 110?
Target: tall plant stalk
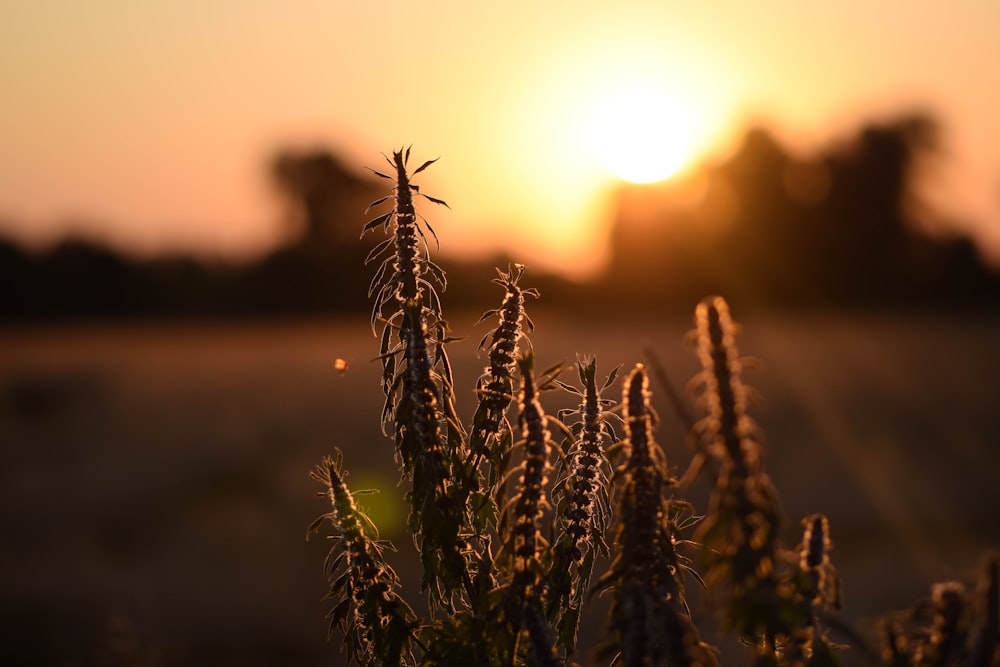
column 583, row 507
column 378, row 625
column 417, row 383
column 648, row 613
column 741, row 532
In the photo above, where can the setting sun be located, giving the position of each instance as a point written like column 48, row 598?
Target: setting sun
column 640, row 133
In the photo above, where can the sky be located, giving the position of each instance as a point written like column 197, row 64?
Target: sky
column 149, row 124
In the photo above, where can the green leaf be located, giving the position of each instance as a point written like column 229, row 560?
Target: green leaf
column 484, row 510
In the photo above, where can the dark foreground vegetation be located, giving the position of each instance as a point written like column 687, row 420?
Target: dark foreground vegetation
column 520, row 521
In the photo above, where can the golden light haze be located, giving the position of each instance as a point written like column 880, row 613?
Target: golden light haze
column 150, row 123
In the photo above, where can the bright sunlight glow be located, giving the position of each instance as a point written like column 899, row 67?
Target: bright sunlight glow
column 640, row 132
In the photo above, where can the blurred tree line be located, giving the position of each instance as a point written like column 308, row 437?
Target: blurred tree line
column 844, row 226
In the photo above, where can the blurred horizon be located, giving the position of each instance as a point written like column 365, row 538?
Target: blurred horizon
column 150, row 127
column 846, row 227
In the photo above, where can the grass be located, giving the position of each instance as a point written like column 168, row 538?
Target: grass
column 511, row 514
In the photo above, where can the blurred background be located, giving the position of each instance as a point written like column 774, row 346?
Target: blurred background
column 182, row 188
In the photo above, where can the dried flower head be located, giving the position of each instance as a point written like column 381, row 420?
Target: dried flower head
column 491, row 437
column 648, row 613
column 583, row 505
column 741, row 530
column 377, row 623
column 524, row 545
column 417, row 382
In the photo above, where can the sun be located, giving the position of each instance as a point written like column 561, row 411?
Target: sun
column 639, row 132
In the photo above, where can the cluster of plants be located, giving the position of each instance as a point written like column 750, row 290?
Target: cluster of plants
column 520, row 518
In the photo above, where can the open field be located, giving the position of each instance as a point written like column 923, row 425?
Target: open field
column 154, row 478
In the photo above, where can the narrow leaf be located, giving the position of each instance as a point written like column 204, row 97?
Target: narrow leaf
column 377, row 222
column 437, row 242
column 339, row 612
column 435, row 200
column 317, row 522
column 424, row 166
column 378, row 250
column 377, row 202
column 611, row 377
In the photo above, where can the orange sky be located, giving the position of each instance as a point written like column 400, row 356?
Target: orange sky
column 149, row 123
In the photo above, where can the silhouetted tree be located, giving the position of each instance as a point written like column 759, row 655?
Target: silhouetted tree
column 840, row 226
column 327, row 202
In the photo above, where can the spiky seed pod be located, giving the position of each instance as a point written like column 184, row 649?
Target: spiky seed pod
column 587, row 466
column 377, row 624
column 437, row 512
column 525, row 511
column 406, row 278
column 728, row 428
column 823, row 586
column 524, row 544
column 817, row 588
column 403, row 273
column 419, row 440
column 648, row 614
column 741, row 530
column 583, row 506
column 945, row 644
column 416, row 379
column 491, row 435
column 954, row 627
